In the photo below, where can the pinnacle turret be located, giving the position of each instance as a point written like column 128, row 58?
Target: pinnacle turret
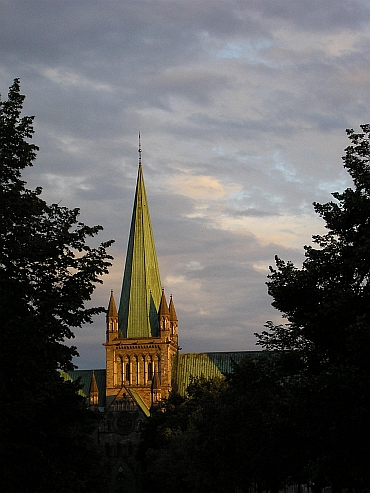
column 155, row 391
column 93, row 391
column 173, row 316
column 163, row 309
column 112, row 319
column 156, row 385
column 112, row 310
column 164, row 314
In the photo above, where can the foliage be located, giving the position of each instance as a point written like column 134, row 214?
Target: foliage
column 47, row 273
column 259, row 430
column 225, row 435
column 326, row 339
column 182, row 446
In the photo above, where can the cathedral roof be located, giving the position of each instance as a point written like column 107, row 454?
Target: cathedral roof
column 141, row 288
column 186, row 366
column 207, row 365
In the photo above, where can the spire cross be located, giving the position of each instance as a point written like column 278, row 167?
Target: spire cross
column 140, row 151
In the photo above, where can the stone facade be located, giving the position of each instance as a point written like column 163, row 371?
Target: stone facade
column 132, row 363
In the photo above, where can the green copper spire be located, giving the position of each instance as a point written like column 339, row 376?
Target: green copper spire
column 141, row 288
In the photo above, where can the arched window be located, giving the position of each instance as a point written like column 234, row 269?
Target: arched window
column 128, row 371
column 150, row 370
column 136, row 370
column 144, row 369
column 122, row 368
column 118, row 371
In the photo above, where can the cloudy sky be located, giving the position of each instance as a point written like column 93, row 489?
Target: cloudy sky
column 242, row 107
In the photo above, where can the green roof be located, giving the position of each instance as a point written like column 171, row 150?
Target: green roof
column 186, row 365
column 141, row 287
column 208, row 365
column 139, row 401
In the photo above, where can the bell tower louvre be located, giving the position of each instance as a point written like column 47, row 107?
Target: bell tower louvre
column 142, row 336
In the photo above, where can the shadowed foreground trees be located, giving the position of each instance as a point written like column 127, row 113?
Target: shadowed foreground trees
column 226, row 435
column 47, row 272
column 182, row 446
column 299, row 415
column 326, row 339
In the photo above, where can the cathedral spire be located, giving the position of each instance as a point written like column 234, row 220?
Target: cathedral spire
column 141, row 287
column 142, row 338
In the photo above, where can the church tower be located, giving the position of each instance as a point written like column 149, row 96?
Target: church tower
column 142, row 336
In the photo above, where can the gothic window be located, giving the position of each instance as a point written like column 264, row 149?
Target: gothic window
column 120, row 371
column 128, row 371
column 150, row 370
column 137, row 370
column 144, row 368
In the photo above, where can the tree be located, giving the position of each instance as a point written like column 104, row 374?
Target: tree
column 326, row 339
column 47, row 273
column 226, row 435
column 260, row 439
column 182, row 444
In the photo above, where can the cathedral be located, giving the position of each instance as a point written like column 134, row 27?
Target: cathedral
column 143, row 359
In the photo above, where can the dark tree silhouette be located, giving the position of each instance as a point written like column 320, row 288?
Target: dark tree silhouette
column 326, row 339
column 47, row 273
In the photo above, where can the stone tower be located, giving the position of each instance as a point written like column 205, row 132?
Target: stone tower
column 142, row 336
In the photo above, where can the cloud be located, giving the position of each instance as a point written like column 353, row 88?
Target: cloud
column 201, row 187
column 242, row 108
column 68, row 78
